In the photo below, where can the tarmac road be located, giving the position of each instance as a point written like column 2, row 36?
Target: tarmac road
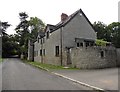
column 107, row 79
column 20, row 76
column 0, row 76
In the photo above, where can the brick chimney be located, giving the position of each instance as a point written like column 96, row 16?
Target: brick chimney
column 64, row 16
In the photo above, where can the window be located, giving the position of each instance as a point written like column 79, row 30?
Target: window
column 41, row 52
column 78, row 44
column 44, row 52
column 47, row 35
column 81, row 44
column 87, row 44
column 92, row 43
column 57, row 51
column 102, row 54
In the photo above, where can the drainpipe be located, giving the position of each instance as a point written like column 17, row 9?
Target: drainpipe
column 33, row 51
column 28, row 50
column 61, row 58
column 41, row 42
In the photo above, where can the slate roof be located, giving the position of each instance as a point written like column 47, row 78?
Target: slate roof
column 63, row 23
column 51, row 27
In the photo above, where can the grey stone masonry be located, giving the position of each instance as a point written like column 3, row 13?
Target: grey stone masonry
column 93, row 57
column 72, row 43
column 118, row 57
column 0, row 47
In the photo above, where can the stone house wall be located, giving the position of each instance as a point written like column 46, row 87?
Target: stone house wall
column 78, row 27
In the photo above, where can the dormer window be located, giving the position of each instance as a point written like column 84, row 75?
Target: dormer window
column 47, row 36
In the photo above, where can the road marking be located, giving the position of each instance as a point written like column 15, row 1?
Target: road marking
column 82, row 83
column 87, row 85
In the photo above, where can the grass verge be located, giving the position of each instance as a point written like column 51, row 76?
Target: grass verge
column 1, row 59
column 48, row 67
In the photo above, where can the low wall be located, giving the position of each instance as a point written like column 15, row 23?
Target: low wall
column 118, row 57
column 90, row 58
column 0, row 47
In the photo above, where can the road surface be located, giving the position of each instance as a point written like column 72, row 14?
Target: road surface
column 20, row 76
column 107, row 79
column 0, row 76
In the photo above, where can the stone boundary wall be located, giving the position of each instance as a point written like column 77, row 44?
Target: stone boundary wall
column 90, row 57
column 118, row 57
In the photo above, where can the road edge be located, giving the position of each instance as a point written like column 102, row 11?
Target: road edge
column 79, row 82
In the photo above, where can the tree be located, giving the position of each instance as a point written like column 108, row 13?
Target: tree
column 6, row 44
column 114, row 30
column 110, row 33
column 102, row 32
column 36, row 25
column 10, row 46
column 23, row 33
column 4, row 26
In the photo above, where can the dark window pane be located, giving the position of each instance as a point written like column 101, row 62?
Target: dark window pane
column 81, row 44
column 41, row 52
column 47, row 35
column 78, row 44
column 57, row 50
column 44, row 52
column 102, row 54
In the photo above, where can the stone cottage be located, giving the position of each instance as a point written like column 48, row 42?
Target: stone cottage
column 71, row 42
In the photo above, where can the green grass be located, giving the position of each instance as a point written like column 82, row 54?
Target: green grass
column 48, row 66
column 1, row 59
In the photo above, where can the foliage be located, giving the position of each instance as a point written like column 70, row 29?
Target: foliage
column 36, row 25
column 101, row 42
column 23, row 31
column 100, row 29
column 1, row 60
column 4, row 26
column 114, row 29
column 110, row 33
column 9, row 46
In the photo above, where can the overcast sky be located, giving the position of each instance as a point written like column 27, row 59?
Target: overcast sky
column 49, row 11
